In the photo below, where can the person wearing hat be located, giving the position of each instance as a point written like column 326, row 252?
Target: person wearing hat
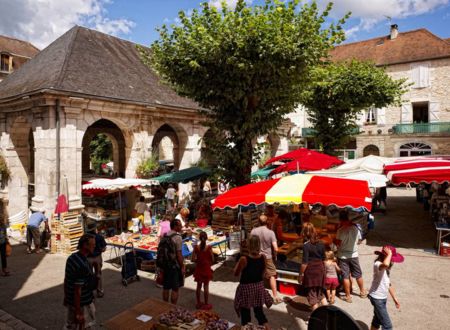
column 381, row 286
column 95, row 258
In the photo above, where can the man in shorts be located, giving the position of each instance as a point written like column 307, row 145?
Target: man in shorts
column 173, row 276
column 269, row 249
column 347, row 240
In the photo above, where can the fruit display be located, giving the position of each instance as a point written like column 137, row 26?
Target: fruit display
column 217, row 325
column 175, row 317
column 206, row 316
column 212, row 320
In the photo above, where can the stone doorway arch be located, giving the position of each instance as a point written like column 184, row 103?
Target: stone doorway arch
column 371, row 150
column 115, row 135
column 166, row 145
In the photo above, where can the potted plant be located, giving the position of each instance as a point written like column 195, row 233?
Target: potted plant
column 147, row 168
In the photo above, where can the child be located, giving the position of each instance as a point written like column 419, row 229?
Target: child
column 381, row 285
column 204, row 257
column 331, row 278
column 3, row 244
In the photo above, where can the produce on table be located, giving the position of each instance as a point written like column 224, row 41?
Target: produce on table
column 217, row 325
column 176, row 316
column 251, row 326
column 206, row 316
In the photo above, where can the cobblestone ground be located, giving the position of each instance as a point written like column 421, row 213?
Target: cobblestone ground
column 9, row 322
column 33, row 293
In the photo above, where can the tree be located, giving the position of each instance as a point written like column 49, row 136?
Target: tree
column 339, row 92
column 246, row 67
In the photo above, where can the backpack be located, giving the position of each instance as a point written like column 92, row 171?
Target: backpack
column 166, row 256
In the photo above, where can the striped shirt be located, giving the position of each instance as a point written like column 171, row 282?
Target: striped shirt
column 78, row 272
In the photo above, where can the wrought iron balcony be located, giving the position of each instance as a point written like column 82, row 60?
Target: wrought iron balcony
column 422, row 128
column 309, row 131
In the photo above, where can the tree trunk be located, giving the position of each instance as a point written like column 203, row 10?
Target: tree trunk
column 244, row 148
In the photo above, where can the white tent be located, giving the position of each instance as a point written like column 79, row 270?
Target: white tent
column 368, row 168
column 118, row 184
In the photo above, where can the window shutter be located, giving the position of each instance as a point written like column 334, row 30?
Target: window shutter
column 381, row 116
column 433, row 112
column 424, row 76
column 407, row 113
column 415, row 75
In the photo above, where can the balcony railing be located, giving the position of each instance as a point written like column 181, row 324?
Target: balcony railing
column 422, row 128
column 308, row 131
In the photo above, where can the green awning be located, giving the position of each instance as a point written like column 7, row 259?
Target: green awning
column 263, row 173
column 183, row 176
column 163, row 178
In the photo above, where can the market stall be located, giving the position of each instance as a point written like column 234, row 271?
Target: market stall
column 156, row 314
column 104, row 200
column 147, row 244
column 431, row 177
column 299, row 196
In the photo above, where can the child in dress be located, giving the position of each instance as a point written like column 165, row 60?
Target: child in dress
column 331, row 278
column 203, row 273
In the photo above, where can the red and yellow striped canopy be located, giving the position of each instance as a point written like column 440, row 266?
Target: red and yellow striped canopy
column 295, row 189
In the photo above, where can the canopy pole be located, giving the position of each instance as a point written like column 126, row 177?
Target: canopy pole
column 298, row 169
column 120, row 208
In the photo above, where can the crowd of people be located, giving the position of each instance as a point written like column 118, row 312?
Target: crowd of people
column 321, row 273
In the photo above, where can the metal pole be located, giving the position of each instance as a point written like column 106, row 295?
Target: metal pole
column 120, row 208
column 298, row 170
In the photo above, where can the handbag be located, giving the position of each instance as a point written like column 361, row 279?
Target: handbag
column 159, row 277
column 8, row 249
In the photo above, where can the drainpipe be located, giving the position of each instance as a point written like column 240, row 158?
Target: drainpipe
column 58, row 148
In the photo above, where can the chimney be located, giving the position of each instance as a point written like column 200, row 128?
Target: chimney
column 394, row 31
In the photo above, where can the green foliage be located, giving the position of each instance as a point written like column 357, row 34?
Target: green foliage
column 101, row 151
column 148, row 168
column 246, row 67
column 340, row 92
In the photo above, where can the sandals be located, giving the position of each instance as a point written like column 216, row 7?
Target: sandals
column 347, row 299
column 363, row 295
column 206, row 307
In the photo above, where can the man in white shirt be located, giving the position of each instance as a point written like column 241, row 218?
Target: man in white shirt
column 170, row 197
column 347, row 240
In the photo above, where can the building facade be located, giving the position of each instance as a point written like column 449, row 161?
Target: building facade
column 83, row 84
column 421, row 125
column 13, row 54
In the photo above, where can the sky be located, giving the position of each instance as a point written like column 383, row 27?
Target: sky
column 42, row 21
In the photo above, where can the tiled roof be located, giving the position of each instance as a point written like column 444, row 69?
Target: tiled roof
column 84, row 61
column 17, row 47
column 412, row 46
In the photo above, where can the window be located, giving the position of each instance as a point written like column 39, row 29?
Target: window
column 346, row 154
column 420, row 75
column 5, row 63
column 415, row 149
column 371, row 116
column 420, row 112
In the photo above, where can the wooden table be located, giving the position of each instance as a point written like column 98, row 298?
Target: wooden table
column 127, row 319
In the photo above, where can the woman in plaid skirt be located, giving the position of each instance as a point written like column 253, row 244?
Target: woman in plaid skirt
column 251, row 292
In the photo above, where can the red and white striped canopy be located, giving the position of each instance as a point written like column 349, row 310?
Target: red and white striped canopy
column 439, row 174
column 295, row 189
column 401, row 165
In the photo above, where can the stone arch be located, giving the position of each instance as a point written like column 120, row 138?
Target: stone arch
column 19, row 155
column 117, row 138
column 173, row 137
column 371, row 149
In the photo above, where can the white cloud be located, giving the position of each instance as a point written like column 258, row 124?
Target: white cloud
column 42, row 21
column 370, row 13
